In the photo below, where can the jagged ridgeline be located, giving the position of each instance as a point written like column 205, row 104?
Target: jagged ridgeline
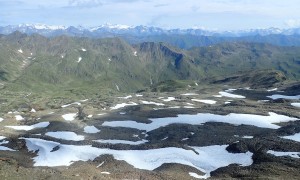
column 39, row 63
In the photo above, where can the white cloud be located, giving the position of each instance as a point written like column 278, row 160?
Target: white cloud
column 213, row 14
column 293, row 23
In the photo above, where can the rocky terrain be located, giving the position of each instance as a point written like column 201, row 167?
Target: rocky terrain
column 79, row 108
column 219, row 131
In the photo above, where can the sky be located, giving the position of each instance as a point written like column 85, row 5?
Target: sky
column 205, row 14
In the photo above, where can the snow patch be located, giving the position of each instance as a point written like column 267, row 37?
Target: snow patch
column 169, row 99
column 151, row 102
column 204, row 101
column 3, row 148
column 207, row 159
column 126, row 97
column 79, row 59
column 83, row 49
column 189, row 94
column 69, row 117
column 227, row 94
column 165, row 138
column 295, row 104
column 66, row 135
column 279, row 154
column 295, row 137
column 19, row 117
column 189, row 107
column 33, row 110
column 91, row 129
column 28, row 128
column 118, row 106
column 247, row 137
column 100, row 164
column 275, row 89
column 117, row 87
column 197, row 176
column 201, row 118
column 278, row 96
column 2, row 137
column 115, row 141
column 20, row 51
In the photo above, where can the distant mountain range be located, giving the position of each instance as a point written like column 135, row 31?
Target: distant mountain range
column 182, row 38
column 41, row 63
column 109, row 29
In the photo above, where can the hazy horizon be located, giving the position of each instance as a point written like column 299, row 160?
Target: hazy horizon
column 203, row 14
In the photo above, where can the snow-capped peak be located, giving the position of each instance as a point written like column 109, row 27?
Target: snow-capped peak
column 111, row 26
column 42, row 26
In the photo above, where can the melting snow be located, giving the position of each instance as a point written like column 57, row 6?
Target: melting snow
column 79, row 59
column 295, row 137
column 3, row 148
column 69, row 117
column 83, row 49
column 3, row 142
column 33, row 110
column 19, row 117
column 100, row 164
column 1, row 119
column 295, row 104
column 66, row 135
column 101, row 114
column 278, row 96
column 275, row 89
column 28, row 128
column 91, row 129
column 135, row 53
column 169, row 99
column 226, row 94
column 205, row 101
column 126, row 97
column 201, row 118
column 278, row 154
column 118, row 106
column 165, row 138
column 117, row 87
column 2, row 137
column 247, row 137
column 189, row 94
column 138, row 95
column 20, row 51
column 150, row 102
column 188, row 107
column 115, row 141
column 197, row 176
column 230, row 90
column 208, row 159
column 196, row 84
